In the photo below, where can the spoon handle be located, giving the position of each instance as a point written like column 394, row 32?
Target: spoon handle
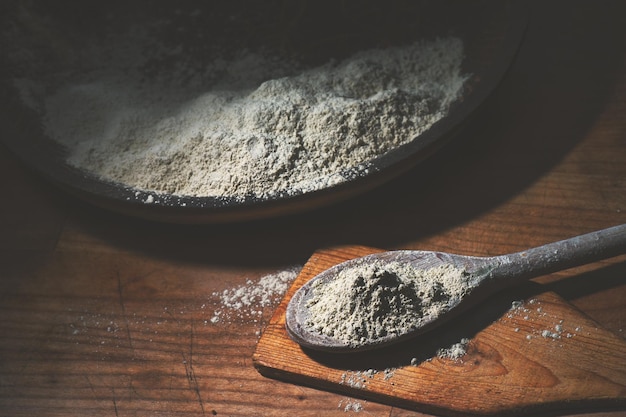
column 564, row 254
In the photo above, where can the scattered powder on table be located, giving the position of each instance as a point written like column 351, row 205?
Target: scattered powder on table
column 247, row 302
column 370, row 301
column 350, row 405
column 250, row 124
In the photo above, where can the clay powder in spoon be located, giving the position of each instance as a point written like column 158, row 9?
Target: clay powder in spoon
column 370, row 301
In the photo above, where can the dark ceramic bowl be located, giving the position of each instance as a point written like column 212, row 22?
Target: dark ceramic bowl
column 491, row 31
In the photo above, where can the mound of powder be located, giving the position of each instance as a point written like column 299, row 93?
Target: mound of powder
column 250, row 124
column 370, row 301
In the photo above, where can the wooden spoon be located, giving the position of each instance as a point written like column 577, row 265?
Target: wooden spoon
column 483, row 276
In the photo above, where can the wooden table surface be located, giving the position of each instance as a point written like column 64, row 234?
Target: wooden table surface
column 105, row 315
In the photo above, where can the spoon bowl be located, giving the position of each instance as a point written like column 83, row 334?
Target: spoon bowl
column 478, row 278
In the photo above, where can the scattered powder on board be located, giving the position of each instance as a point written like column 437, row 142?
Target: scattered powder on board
column 357, row 379
column 370, row 301
column 252, row 124
column 456, row 351
column 540, row 323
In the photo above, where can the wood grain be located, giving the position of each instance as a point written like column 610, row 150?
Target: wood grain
column 542, row 355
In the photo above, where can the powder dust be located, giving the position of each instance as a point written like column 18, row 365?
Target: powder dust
column 454, row 352
column 538, row 323
column 248, row 301
column 252, row 123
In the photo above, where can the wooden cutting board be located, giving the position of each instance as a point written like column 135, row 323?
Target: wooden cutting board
column 528, row 351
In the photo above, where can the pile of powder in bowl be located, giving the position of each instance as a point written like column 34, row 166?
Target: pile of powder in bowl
column 371, row 301
column 252, row 124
